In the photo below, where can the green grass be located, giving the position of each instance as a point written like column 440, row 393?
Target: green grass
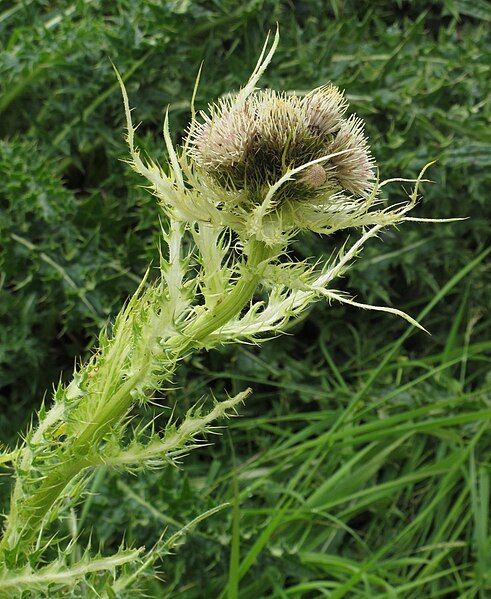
column 348, row 488
column 360, row 466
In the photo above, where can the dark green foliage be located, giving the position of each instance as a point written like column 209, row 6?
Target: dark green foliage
column 38, row 238
column 76, row 234
column 66, row 266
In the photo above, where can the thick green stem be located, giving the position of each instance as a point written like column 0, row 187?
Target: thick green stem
column 228, row 307
column 111, row 411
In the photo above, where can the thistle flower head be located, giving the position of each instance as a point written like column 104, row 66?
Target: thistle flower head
column 250, row 145
column 267, row 164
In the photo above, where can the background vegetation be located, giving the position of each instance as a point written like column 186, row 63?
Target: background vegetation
column 360, row 467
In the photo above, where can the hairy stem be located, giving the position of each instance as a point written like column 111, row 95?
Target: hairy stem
column 76, row 451
column 229, row 306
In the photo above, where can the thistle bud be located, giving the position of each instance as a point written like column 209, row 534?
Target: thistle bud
column 324, row 108
column 354, row 169
column 314, row 177
column 224, row 138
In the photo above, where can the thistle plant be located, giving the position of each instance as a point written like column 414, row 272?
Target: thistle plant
column 254, row 170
